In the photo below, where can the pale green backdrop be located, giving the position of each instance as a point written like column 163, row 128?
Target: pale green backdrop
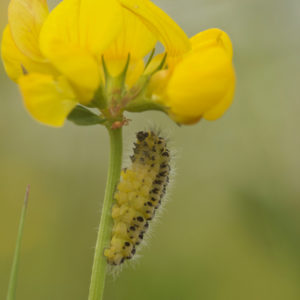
column 231, row 229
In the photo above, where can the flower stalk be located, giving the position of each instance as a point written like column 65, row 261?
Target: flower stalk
column 100, row 265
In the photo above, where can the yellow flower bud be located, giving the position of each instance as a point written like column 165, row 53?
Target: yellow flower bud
column 202, row 83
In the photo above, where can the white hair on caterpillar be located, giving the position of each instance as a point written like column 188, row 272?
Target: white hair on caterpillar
column 138, row 197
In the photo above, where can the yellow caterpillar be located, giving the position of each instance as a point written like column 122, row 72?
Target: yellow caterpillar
column 138, row 195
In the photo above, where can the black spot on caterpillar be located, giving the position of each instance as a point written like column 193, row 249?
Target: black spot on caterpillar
column 138, row 196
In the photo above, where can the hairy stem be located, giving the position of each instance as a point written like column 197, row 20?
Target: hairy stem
column 105, row 227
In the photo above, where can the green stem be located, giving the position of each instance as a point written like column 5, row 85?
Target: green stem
column 12, row 286
column 105, row 227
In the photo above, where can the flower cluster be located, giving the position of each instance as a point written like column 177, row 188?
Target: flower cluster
column 91, row 53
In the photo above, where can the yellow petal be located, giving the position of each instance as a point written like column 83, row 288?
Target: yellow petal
column 157, row 85
column 26, row 18
column 59, row 42
column 99, row 23
column 218, row 110
column 73, row 36
column 167, row 31
column 211, row 38
column 61, row 26
column 80, row 68
column 199, row 84
column 15, row 62
column 90, row 25
column 135, row 70
column 134, row 39
column 48, row 101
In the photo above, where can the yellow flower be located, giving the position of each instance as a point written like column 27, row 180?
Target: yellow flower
column 64, row 58
column 56, row 58
column 201, row 83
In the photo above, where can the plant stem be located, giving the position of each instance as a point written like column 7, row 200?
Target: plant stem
column 12, row 286
column 105, row 227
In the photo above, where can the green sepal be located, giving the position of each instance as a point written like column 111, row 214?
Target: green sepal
column 84, row 117
column 141, row 100
column 150, row 58
column 115, row 85
column 122, row 76
column 142, row 103
column 99, row 99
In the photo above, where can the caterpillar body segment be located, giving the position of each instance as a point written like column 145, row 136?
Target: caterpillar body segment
column 138, row 195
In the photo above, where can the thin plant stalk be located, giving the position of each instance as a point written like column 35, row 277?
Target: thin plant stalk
column 12, row 285
column 104, row 233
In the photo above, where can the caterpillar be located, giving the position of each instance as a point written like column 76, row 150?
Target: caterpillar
column 138, row 195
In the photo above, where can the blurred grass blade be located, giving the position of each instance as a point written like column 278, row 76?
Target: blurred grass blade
column 12, row 286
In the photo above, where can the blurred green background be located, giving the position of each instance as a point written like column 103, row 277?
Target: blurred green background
column 231, row 229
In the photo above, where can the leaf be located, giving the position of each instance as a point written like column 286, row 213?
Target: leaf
column 12, row 285
column 84, row 117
